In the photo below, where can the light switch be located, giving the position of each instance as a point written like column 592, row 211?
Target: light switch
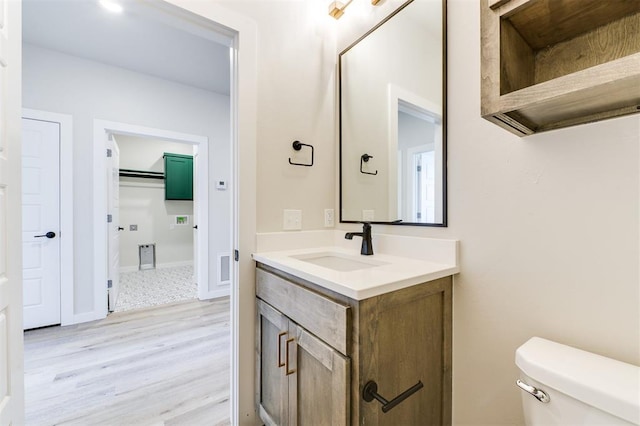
column 292, row 220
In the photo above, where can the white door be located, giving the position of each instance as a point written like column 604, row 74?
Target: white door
column 11, row 359
column 113, row 220
column 40, row 223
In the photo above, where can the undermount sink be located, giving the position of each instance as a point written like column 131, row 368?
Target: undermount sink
column 339, row 261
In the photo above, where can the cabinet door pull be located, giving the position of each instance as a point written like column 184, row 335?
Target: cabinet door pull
column 286, row 357
column 370, row 392
column 280, row 363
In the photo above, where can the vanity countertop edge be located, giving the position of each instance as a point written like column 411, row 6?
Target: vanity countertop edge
column 394, row 272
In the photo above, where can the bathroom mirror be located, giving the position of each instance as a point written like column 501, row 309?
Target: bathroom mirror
column 393, row 120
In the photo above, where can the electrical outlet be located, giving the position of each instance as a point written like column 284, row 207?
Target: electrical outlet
column 292, row 220
column 329, row 218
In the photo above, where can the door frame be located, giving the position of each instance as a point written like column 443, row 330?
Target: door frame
column 101, row 129
column 65, row 195
column 243, row 31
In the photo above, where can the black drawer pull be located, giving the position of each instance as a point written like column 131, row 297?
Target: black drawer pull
column 370, row 392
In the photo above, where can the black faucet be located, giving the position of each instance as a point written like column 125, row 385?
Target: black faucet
column 367, row 245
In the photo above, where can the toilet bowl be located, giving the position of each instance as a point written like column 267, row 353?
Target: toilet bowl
column 562, row 385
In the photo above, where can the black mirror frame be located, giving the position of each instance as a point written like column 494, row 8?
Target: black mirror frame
column 445, row 117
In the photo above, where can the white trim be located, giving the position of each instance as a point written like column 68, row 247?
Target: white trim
column 100, row 129
column 65, row 121
column 398, row 99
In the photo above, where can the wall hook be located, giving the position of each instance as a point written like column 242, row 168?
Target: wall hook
column 297, row 145
column 364, row 159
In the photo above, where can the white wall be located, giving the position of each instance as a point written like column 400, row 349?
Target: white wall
column 549, row 232
column 142, row 203
column 548, row 224
column 296, row 84
column 88, row 90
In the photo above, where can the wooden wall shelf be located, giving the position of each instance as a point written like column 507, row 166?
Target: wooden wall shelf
column 548, row 64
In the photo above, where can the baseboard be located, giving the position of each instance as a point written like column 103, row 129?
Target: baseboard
column 159, row 266
column 215, row 294
column 80, row 318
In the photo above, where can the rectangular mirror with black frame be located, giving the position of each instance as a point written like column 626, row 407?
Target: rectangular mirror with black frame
column 393, row 147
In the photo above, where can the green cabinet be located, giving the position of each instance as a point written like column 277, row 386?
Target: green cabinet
column 178, row 177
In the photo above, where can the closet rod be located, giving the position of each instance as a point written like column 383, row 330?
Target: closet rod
column 141, row 174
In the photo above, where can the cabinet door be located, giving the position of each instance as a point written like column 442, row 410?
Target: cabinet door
column 319, row 380
column 271, row 389
column 178, row 171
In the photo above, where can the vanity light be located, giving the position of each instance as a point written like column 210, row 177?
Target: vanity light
column 111, row 6
column 336, row 8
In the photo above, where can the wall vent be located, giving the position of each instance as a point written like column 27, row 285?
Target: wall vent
column 224, row 269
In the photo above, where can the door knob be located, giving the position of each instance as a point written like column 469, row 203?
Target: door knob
column 48, row 235
column 195, row 227
column 120, row 228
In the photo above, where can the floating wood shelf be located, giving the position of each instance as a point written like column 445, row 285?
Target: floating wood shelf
column 548, row 64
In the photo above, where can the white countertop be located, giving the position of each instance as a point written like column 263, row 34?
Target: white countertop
column 388, row 273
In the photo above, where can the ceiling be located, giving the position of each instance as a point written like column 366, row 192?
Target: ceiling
column 148, row 37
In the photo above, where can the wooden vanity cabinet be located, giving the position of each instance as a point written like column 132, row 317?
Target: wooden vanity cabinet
column 302, row 380
column 337, row 344
column 548, row 64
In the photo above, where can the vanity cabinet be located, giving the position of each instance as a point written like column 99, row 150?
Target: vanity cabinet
column 548, row 64
column 317, row 349
column 302, row 380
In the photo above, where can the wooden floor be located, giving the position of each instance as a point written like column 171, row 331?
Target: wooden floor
column 158, row 366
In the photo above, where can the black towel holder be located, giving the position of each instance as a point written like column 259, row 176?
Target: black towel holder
column 364, row 158
column 297, row 145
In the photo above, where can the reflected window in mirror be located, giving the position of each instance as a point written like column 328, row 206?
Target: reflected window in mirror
column 393, row 108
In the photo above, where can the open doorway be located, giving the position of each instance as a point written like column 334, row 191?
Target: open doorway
column 174, row 232
column 90, row 87
column 160, row 217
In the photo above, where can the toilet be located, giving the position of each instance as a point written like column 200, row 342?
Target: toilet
column 561, row 385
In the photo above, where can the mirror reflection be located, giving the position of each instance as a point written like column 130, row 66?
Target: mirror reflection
column 392, row 122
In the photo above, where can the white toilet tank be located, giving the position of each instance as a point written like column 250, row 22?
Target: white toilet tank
column 581, row 388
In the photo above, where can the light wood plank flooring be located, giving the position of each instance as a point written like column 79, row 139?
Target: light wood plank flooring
column 165, row 365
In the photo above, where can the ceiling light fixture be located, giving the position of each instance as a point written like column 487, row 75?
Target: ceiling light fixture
column 111, row 6
column 336, row 8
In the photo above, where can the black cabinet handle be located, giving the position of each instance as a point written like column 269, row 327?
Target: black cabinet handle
column 370, row 392
column 48, row 235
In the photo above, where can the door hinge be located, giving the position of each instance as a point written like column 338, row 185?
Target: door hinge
column 109, row 283
column 236, row 255
column 109, row 153
column 109, row 218
column 419, row 169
